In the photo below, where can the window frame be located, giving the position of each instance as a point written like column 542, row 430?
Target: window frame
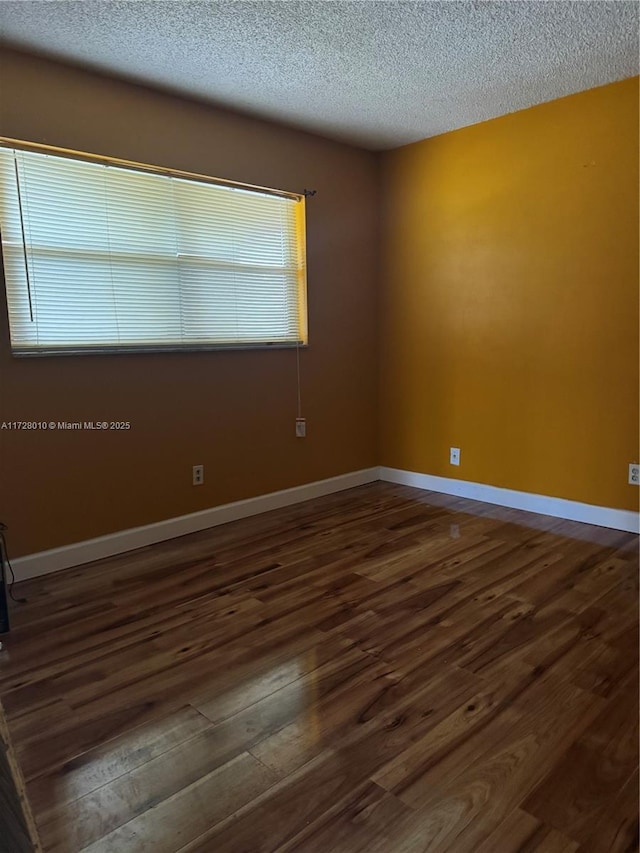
column 170, row 347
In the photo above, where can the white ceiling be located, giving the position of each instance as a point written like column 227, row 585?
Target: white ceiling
column 377, row 74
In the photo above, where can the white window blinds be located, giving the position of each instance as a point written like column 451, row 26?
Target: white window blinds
column 100, row 257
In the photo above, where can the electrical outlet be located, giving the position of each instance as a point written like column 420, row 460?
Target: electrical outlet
column 301, row 427
column 198, row 475
column 454, row 456
column 634, row 474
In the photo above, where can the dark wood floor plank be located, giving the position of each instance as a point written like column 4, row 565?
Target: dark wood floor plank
column 617, row 830
column 468, row 797
column 350, row 714
column 522, row 833
column 115, row 803
column 367, row 821
column 232, row 694
column 169, row 825
column 109, row 715
column 104, row 764
column 361, row 824
column 594, row 768
column 326, row 783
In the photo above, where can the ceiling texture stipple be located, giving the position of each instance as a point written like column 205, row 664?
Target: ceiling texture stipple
column 375, row 74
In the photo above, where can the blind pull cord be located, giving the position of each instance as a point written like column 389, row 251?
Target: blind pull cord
column 24, row 242
column 298, row 367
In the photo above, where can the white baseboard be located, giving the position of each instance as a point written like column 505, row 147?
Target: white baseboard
column 618, row 519
column 67, row 556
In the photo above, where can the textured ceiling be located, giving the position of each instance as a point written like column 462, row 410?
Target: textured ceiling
column 378, row 74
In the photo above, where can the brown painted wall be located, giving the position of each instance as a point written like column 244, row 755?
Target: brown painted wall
column 232, row 411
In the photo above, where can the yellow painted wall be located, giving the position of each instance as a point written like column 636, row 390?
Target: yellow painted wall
column 509, row 303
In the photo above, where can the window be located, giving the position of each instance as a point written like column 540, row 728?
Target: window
column 101, row 256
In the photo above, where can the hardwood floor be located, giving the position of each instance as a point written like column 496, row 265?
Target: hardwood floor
column 383, row 670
